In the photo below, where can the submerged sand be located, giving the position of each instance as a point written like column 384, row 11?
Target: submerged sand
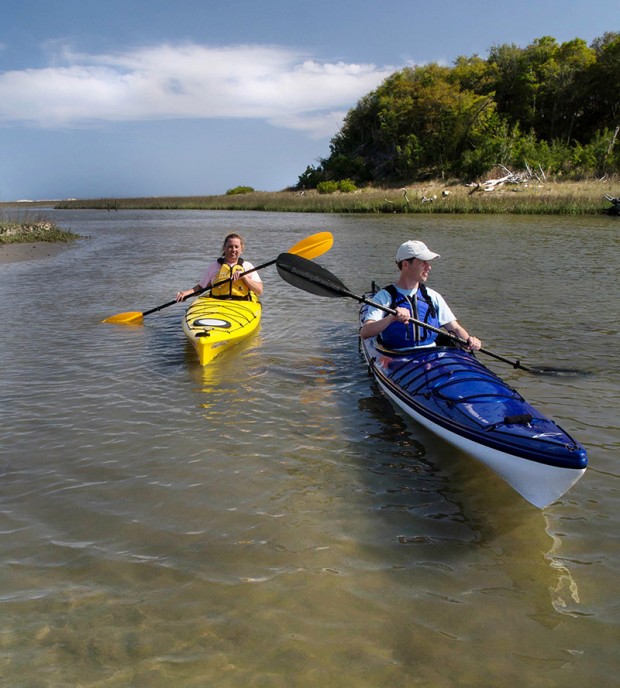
column 14, row 253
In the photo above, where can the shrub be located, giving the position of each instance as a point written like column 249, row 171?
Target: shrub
column 239, row 190
column 328, row 187
column 346, row 186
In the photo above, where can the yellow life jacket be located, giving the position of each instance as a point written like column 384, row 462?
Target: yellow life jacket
column 230, row 290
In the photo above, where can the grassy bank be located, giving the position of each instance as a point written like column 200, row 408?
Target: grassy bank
column 555, row 198
column 24, row 229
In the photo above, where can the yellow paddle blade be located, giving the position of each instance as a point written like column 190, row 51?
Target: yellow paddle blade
column 125, row 318
column 313, row 246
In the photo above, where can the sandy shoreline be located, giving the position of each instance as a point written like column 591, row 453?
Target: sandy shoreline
column 15, row 253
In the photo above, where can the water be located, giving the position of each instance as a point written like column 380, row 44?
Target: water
column 271, row 520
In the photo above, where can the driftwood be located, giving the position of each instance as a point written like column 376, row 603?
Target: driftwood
column 509, row 178
column 540, row 175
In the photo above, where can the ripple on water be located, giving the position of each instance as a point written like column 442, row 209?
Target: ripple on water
column 272, row 519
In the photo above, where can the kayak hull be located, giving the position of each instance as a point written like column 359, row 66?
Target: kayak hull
column 215, row 325
column 448, row 391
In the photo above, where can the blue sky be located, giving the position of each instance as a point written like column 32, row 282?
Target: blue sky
column 119, row 98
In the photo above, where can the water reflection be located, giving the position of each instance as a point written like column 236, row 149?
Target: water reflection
column 228, row 368
column 419, row 486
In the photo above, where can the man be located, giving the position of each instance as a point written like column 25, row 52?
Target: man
column 410, row 298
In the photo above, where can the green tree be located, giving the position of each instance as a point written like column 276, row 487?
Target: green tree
column 548, row 104
column 600, row 85
column 513, row 85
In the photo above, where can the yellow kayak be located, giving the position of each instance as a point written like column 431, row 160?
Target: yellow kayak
column 213, row 325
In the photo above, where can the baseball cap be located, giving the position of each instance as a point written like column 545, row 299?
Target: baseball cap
column 415, row 249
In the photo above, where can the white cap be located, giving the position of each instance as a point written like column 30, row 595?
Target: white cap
column 414, row 249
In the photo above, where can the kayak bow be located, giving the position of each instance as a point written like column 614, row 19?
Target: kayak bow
column 214, row 325
column 452, row 394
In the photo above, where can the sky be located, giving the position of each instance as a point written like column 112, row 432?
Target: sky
column 127, row 98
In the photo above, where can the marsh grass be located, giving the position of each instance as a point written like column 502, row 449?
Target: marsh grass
column 555, row 198
column 23, row 229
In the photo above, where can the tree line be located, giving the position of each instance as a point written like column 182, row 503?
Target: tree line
column 549, row 107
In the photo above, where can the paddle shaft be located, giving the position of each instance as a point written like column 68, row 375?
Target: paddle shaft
column 368, row 302
column 310, row 247
column 215, row 284
column 229, row 279
column 330, row 285
column 322, row 242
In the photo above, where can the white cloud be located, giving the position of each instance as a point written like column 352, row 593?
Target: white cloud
column 272, row 83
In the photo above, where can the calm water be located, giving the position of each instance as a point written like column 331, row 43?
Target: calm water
column 272, row 521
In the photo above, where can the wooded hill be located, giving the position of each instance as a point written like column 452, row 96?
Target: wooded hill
column 553, row 108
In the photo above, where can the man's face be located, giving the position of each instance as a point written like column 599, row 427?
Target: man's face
column 419, row 270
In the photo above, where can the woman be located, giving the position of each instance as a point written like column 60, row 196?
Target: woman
column 230, row 269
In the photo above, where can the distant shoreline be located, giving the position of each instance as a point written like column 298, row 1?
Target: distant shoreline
column 498, row 196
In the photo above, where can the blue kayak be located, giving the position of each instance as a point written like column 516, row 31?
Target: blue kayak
column 447, row 390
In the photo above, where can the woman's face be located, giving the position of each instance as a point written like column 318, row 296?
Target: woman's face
column 233, row 250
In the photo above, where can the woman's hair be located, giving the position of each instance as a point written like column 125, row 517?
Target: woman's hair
column 233, row 236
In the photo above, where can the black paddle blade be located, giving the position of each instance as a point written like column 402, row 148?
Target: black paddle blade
column 309, row 276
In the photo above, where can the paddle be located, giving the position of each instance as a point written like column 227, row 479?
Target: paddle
column 310, row 247
column 311, row 277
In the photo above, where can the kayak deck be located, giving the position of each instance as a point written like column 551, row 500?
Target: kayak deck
column 214, row 325
column 450, row 392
